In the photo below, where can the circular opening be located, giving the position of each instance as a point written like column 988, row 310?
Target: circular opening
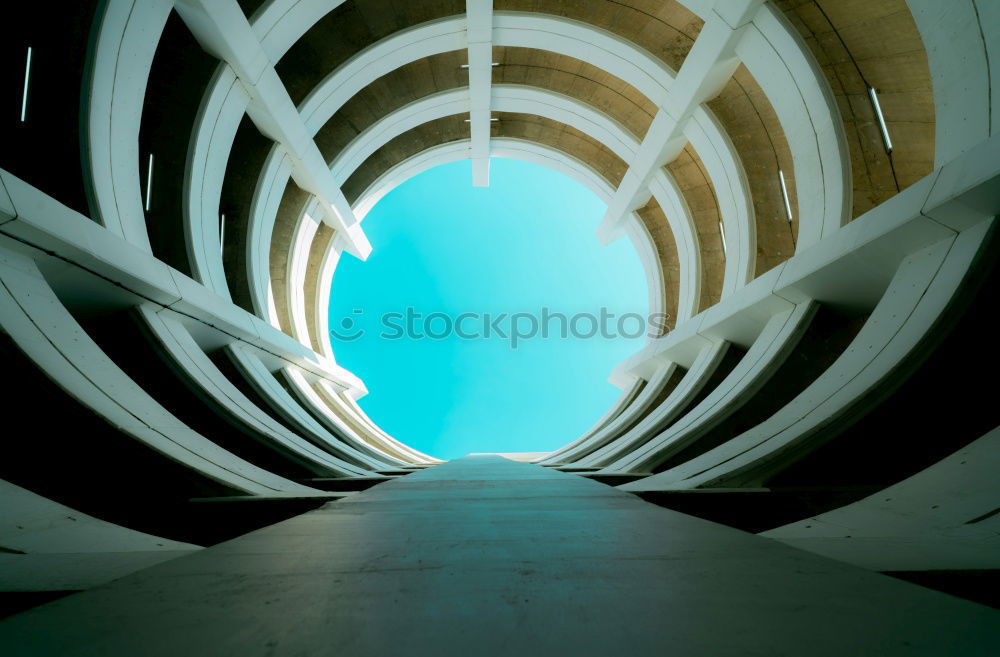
column 488, row 319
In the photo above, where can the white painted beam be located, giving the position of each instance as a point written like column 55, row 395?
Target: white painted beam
column 222, row 29
column 706, row 69
column 480, row 35
column 850, row 268
column 43, row 226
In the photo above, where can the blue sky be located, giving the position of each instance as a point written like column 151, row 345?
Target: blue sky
column 443, row 246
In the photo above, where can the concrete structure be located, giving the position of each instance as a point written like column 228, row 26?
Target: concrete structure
column 811, row 187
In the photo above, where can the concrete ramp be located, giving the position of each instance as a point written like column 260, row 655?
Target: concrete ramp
column 486, row 556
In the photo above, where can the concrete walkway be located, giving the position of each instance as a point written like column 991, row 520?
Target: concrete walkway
column 484, row 556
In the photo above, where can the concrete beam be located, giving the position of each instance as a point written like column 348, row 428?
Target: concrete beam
column 223, row 30
column 43, row 226
column 480, row 34
column 706, row 69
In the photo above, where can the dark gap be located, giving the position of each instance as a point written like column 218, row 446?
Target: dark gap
column 672, row 382
column 178, row 79
column 45, row 149
column 756, row 510
column 250, row 6
column 246, row 161
column 229, row 369
column 982, row 586
column 335, row 431
column 675, row 379
column 347, row 30
column 294, row 201
column 80, row 460
column 638, row 391
column 127, row 340
column 930, row 407
column 734, row 354
column 635, row 393
column 14, row 602
column 828, row 335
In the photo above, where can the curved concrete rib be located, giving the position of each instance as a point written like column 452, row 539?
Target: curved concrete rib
column 723, row 165
column 199, row 372
column 567, row 37
column 411, row 115
column 412, row 166
column 642, row 241
column 222, row 108
column 640, row 406
column 36, row 525
column 628, row 395
column 676, row 403
column 534, row 31
column 43, row 329
column 664, row 189
column 338, row 399
column 806, row 109
column 517, row 149
column 124, row 46
column 303, row 391
column 295, row 275
column 732, row 191
column 943, row 518
column 915, row 301
column 280, row 23
column 321, row 297
column 572, row 38
column 271, row 182
column 775, row 343
column 507, row 98
column 786, row 70
column 289, row 410
column 960, row 40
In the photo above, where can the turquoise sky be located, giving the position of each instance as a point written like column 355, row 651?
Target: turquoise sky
column 523, row 243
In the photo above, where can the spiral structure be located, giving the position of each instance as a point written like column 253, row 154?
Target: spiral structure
column 811, row 188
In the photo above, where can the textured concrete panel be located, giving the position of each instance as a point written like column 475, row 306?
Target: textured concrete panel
column 860, row 43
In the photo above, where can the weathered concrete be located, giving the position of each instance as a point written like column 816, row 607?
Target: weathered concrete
column 486, row 556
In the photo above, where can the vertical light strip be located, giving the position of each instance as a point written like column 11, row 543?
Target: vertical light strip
column 722, row 232
column 24, row 95
column 222, row 233
column 149, row 182
column 881, row 120
column 784, row 192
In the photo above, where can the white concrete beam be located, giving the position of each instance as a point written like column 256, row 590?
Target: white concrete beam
column 850, row 268
column 222, row 29
column 706, row 69
column 122, row 270
column 480, row 35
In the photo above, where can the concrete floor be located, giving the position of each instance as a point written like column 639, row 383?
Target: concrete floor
column 486, row 556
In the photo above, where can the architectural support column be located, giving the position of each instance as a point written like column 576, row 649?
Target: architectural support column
column 706, row 69
column 222, row 29
column 480, row 37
